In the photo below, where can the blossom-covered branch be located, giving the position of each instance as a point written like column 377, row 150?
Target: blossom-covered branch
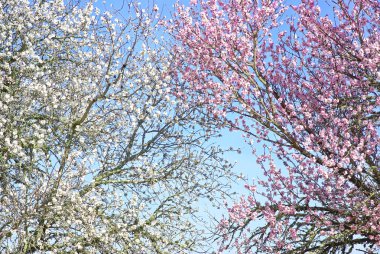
column 306, row 82
column 96, row 155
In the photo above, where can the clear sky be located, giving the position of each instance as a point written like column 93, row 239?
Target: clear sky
column 245, row 161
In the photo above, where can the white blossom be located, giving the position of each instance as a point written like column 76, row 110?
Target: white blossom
column 96, row 155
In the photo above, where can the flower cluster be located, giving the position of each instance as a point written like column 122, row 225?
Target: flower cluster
column 306, row 83
column 96, row 155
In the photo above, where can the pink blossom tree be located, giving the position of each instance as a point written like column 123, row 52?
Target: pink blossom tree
column 306, row 83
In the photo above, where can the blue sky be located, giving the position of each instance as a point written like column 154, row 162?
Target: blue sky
column 245, row 162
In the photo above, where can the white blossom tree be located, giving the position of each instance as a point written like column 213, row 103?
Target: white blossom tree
column 96, row 156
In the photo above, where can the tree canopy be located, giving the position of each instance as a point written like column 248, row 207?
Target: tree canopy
column 304, row 79
column 108, row 118
column 96, row 154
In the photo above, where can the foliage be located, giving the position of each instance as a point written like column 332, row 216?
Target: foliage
column 96, row 155
column 306, row 82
